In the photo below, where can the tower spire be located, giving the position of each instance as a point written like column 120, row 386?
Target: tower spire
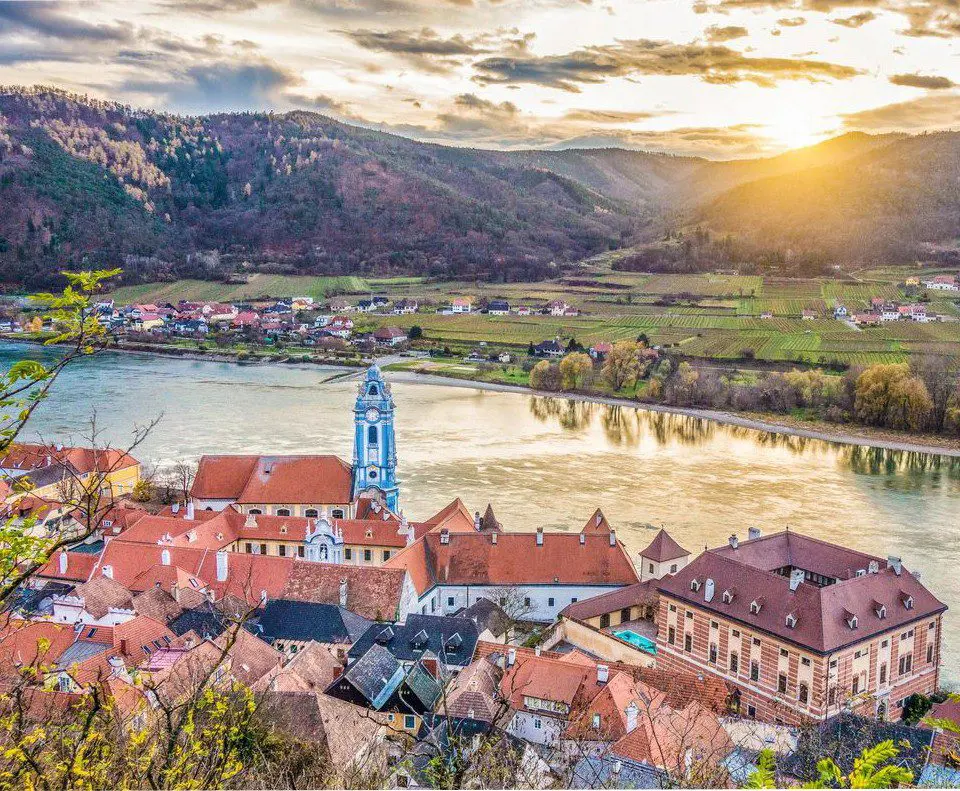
column 374, row 447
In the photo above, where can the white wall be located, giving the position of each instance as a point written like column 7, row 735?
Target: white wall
column 524, row 726
column 541, row 608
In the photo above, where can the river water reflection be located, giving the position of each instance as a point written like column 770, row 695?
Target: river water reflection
column 541, row 461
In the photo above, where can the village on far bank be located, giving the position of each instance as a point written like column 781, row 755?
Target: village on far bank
column 391, row 636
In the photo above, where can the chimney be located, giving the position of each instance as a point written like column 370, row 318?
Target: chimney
column 251, row 520
column 511, row 656
column 493, row 538
column 708, row 590
column 444, row 536
column 165, row 557
column 343, row 591
column 632, row 712
column 189, row 513
column 895, row 563
column 796, row 577
column 107, row 571
column 117, row 667
column 603, row 674
column 537, row 650
column 539, row 536
column 175, row 592
column 175, row 508
column 753, row 534
column 477, row 522
column 222, row 566
column 613, row 538
column 583, row 539
column 734, row 541
column 62, row 561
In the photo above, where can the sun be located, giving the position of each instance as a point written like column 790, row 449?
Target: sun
column 794, row 127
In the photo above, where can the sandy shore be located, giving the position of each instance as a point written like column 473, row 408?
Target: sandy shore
column 840, row 435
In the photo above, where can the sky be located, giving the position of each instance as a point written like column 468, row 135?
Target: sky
column 715, row 78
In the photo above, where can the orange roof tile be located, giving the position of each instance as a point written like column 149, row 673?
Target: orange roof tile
column 373, row 592
column 79, row 567
column 664, row 548
column 310, row 480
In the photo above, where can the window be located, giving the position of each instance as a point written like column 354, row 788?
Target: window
column 574, row 600
column 255, row 511
column 624, row 614
column 282, row 550
column 650, row 567
column 688, row 642
column 300, row 551
column 805, row 661
column 337, row 513
column 311, row 513
column 248, row 547
column 386, row 554
column 372, row 435
column 752, row 712
column 409, row 721
column 671, row 635
column 347, row 553
column 735, row 633
column 734, row 663
column 537, row 723
column 906, row 664
column 782, row 682
column 803, row 694
column 929, row 653
column 604, row 620
column 883, row 673
column 856, row 685
column 690, row 614
column 673, row 568
column 550, row 602
column 673, row 608
column 754, row 670
column 831, row 696
column 526, row 601
column 367, row 554
column 283, row 512
column 784, row 652
column 263, row 549
column 449, row 601
column 713, row 654
column 596, row 721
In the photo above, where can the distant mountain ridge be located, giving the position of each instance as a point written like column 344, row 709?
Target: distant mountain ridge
column 84, row 181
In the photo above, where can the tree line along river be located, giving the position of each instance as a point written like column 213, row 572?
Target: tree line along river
column 539, row 461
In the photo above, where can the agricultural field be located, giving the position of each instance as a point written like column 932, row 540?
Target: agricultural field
column 258, row 286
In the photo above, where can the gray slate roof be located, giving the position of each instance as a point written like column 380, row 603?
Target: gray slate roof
column 421, row 634
column 283, row 619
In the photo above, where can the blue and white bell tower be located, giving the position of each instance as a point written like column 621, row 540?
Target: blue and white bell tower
column 374, row 446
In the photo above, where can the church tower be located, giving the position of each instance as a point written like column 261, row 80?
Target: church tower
column 374, row 447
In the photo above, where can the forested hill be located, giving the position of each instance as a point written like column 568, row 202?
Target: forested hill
column 87, row 182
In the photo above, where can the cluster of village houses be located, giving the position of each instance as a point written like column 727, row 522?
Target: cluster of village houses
column 606, row 666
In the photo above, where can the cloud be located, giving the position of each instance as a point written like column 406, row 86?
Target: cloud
column 857, row 20
column 717, row 34
column 423, row 48
column 927, row 112
column 792, row 21
column 612, row 116
column 928, row 82
column 46, row 19
column 711, row 63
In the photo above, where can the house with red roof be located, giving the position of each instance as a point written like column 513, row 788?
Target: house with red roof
column 541, row 573
column 802, row 629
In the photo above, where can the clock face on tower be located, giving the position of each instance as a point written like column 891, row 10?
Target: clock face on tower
column 373, row 414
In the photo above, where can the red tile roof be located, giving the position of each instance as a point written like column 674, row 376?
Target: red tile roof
column 455, row 517
column 597, row 523
column 28, row 456
column 640, row 593
column 309, row 480
column 474, row 559
column 79, row 566
column 373, row 592
column 821, row 612
column 664, row 548
column 20, row 643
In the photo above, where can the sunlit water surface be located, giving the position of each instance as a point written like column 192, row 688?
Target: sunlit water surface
column 541, row 462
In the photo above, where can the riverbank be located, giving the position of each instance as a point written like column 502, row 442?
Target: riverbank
column 774, row 424
column 862, row 436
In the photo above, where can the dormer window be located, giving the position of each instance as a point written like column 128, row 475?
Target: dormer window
column 596, row 721
column 791, row 621
column 454, row 642
column 694, row 584
column 727, row 596
column 756, row 605
column 881, row 612
column 852, row 621
column 283, row 529
column 420, row 639
column 908, row 602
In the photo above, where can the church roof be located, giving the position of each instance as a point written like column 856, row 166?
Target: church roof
column 307, row 479
column 664, row 548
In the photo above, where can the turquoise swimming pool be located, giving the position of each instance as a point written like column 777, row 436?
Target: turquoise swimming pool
column 641, row 642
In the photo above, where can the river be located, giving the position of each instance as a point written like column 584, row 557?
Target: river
column 539, row 461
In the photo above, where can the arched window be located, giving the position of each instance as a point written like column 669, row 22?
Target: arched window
column 372, row 435
column 283, row 512
column 311, row 513
column 373, row 390
column 254, row 511
column 337, row 513
column 323, row 552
